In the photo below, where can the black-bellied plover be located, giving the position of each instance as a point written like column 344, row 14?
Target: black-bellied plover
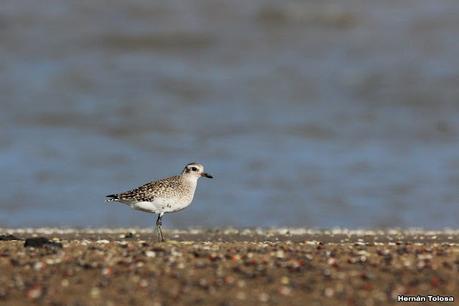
column 163, row 196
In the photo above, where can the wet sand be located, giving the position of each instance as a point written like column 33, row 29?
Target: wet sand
column 225, row 267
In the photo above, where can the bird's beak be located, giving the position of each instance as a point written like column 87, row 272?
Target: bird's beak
column 204, row 174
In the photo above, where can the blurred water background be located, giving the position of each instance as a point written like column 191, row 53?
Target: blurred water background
column 308, row 113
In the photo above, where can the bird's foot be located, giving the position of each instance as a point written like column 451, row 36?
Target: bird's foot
column 159, row 234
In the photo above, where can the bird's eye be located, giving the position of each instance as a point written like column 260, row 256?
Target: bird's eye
column 194, row 168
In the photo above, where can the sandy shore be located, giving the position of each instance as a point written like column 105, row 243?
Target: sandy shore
column 225, row 267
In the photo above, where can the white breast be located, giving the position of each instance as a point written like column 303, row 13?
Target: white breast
column 163, row 205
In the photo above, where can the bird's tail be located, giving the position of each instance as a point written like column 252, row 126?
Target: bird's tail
column 112, row 198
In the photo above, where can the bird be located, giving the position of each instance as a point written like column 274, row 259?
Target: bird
column 166, row 195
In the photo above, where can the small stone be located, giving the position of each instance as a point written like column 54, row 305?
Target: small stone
column 95, row 292
column 150, row 254
column 332, row 262
column 34, row 293
column 143, row 283
column 107, row 271
column 40, row 242
column 284, row 290
column 280, row 254
column 203, row 283
column 51, row 261
column 329, row 292
column 8, row 238
column 214, row 257
column 38, row 266
column 263, row 297
column 236, row 258
column 127, row 236
column 241, row 295
column 435, row 282
column 229, row 280
column 285, row 280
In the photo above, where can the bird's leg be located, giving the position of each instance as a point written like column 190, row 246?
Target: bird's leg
column 157, row 228
column 159, row 232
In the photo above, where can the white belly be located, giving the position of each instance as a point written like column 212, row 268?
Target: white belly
column 161, row 205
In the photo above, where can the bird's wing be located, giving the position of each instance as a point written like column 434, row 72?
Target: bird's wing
column 146, row 192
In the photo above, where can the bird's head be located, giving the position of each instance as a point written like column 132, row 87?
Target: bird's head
column 195, row 170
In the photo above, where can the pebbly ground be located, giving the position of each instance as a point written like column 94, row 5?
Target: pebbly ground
column 226, row 267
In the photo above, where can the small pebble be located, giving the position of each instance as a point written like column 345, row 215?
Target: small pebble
column 241, row 295
column 263, row 297
column 329, row 292
column 34, row 293
column 284, row 290
column 95, row 292
column 285, row 280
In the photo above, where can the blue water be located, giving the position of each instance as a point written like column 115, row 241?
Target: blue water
column 307, row 113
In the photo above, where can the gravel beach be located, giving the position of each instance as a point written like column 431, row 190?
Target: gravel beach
column 226, row 267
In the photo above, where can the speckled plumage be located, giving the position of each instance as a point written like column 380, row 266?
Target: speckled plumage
column 163, row 196
column 165, row 188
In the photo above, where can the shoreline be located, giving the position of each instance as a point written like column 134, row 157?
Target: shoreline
column 127, row 266
column 337, row 235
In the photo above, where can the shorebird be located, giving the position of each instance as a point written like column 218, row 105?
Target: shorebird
column 163, row 196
